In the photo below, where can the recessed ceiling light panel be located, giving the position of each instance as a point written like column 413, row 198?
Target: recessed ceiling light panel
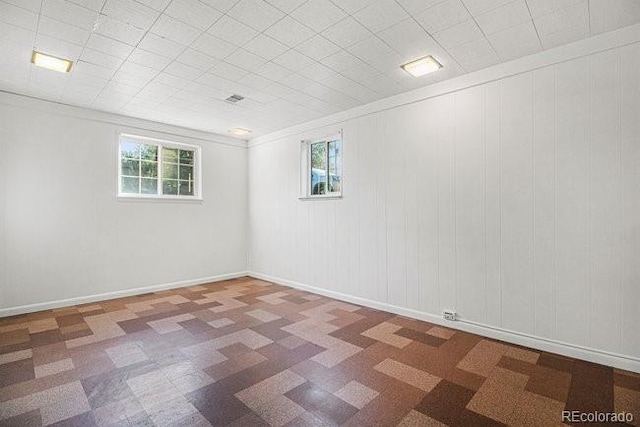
column 239, row 131
column 51, row 62
column 422, row 66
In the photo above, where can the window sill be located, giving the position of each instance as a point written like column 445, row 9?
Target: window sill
column 153, row 199
column 329, row 197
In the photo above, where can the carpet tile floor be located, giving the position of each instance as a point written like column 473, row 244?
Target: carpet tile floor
column 246, row 352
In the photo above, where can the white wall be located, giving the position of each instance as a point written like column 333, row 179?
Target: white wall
column 515, row 202
column 65, row 235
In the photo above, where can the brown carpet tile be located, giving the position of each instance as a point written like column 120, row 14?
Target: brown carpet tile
column 247, row 353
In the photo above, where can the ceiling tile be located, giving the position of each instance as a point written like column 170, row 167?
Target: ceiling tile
column 573, row 16
column 475, row 54
column 221, row 5
column 266, row 47
column 119, row 31
column 458, row 34
column 290, row 32
column 57, row 47
column 101, row 60
column 32, row 5
column 161, row 46
column 193, row 13
column 381, row 15
column 516, row 41
column 149, row 59
column 177, row 31
column 409, row 39
column 564, row 36
column 297, row 82
column 90, row 4
column 138, row 70
column 245, row 59
column 213, row 46
column 540, row 8
column 228, row 71
column 272, row 71
column 62, row 10
column 318, row 48
column 254, row 81
column 62, row 31
column 352, row 6
column 130, row 12
column 180, row 70
column 158, row 5
column 109, row 46
column 477, row 7
column 18, row 16
column 17, row 36
column 346, row 32
column 604, row 17
column 171, row 80
column 257, row 14
column 318, row 14
column 232, row 31
column 294, row 60
column 361, row 72
column 317, row 72
column 196, row 59
column 369, row 48
column 443, row 15
column 130, row 79
column 341, row 60
column 506, row 16
column 287, row 6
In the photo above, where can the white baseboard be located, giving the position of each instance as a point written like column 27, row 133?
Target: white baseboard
column 620, row 361
column 29, row 308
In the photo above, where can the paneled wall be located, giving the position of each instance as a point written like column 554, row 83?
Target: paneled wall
column 64, row 233
column 515, row 202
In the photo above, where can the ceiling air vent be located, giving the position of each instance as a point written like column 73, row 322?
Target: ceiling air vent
column 235, row 98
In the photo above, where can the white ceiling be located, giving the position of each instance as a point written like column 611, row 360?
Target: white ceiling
column 175, row 61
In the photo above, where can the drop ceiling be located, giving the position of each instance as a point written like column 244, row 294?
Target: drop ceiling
column 176, row 61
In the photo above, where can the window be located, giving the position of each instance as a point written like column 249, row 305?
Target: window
column 152, row 168
column 322, row 167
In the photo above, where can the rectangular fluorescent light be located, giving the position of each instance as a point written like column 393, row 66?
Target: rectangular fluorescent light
column 422, row 66
column 51, row 62
column 239, row 131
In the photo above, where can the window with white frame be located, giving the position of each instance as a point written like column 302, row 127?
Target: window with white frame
column 322, row 167
column 153, row 168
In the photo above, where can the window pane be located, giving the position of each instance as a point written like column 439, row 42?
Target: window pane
column 186, row 157
column 149, row 186
column 129, row 150
column 130, row 185
column 130, row 167
column 186, row 172
column 150, row 169
column 170, row 155
column 335, row 159
column 169, row 171
column 169, row 187
column 149, row 152
column 318, row 168
column 186, row 188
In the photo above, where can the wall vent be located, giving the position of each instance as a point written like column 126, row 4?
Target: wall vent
column 235, row 98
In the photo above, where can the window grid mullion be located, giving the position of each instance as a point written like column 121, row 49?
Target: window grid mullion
column 159, row 190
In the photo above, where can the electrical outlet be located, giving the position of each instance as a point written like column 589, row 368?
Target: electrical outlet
column 449, row 314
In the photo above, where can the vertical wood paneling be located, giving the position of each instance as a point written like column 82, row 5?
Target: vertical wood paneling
column 446, row 207
column 431, row 114
column 572, row 200
column 605, row 209
column 492, row 297
column 517, row 202
column 395, row 207
column 544, row 208
column 469, row 200
column 630, row 182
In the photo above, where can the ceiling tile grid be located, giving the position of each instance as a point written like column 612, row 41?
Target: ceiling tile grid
column 176, row 61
